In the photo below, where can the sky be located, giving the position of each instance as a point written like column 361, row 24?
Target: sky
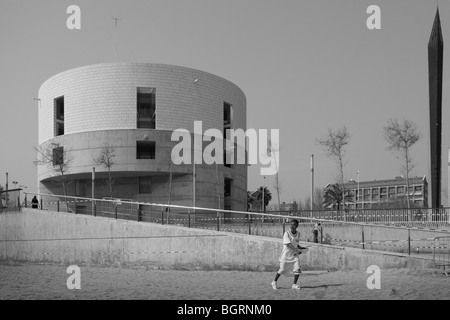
column 304, row 65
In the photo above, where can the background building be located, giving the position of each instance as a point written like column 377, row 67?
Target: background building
column 134, row 108
column 386, row 193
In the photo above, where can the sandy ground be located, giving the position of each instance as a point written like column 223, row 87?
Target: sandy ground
column 38, row 281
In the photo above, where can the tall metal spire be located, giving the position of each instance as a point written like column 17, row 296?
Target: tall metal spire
column 436, row 33
column 435, row 63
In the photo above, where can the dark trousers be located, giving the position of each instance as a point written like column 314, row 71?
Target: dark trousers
column 316, row 236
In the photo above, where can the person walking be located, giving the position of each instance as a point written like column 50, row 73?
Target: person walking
column 289, row 256
column 34, row 203
column 315, row 232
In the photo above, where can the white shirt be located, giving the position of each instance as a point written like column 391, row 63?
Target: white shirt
column 289, row 255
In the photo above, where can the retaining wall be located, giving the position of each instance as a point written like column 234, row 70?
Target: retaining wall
column 65, row 238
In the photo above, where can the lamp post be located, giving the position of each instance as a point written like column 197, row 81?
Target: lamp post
column 263, row 192
column 15, row 187
column 357, row 193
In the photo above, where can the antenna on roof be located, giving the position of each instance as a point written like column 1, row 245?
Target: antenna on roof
column 115, row 38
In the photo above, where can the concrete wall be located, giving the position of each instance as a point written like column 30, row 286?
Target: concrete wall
column 45, row 236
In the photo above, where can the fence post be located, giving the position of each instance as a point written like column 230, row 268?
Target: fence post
column 409, row 241
column 94, row 208
column 162, row 215
column 218, row 222
column 42, row 207
column 115, row 211
column 57, row 206
column 25, row 200
column 75, row 205
column 249, row 225
column 321, row 234
column 189, row 218
column 284, row 227
column 363, row 237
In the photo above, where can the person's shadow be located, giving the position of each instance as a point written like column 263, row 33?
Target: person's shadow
column 322, row 286
column 314, row 287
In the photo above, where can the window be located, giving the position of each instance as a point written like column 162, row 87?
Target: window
column 400, row 190
column 227, row 116
column 58, row 156
column 59, row 116
column 366, row 194
column 391, row 191
column 145, row 185
column 146, row 108
column 417, row 190
column 80, row 188
column 227, row 187
column 145, row 149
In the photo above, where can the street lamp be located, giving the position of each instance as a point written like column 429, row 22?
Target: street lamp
column 358, row 193
column 263, row 191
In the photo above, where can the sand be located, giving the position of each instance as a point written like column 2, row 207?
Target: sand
column 40, row 281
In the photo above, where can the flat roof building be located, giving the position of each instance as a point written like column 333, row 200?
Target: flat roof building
column 386, row 193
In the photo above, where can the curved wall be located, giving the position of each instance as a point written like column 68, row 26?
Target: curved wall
column 100, row 108
column 103, row 97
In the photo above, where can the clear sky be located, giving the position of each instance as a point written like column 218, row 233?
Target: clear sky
column 304, row 65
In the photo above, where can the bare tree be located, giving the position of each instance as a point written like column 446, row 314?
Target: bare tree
column 105, row 159
column 334, row 146
column 401, row 137
column 58, row 159
column 318, row 200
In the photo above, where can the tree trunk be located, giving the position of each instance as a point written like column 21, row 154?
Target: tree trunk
column 110, row 183
column 407, row 184
column 341, row 167
column 65, row 192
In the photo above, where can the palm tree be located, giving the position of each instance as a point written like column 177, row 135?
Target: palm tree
column 267, row 196
column 333, row 196
column 250, row 200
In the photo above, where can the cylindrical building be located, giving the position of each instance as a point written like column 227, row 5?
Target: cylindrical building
column 132, row 110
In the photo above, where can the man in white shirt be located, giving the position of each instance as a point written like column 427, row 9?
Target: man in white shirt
column 289, row 255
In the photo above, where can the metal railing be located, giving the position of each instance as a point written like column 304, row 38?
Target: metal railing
column 361, row 234
column 414, row 217
column 10, row 200
column 441, row 252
